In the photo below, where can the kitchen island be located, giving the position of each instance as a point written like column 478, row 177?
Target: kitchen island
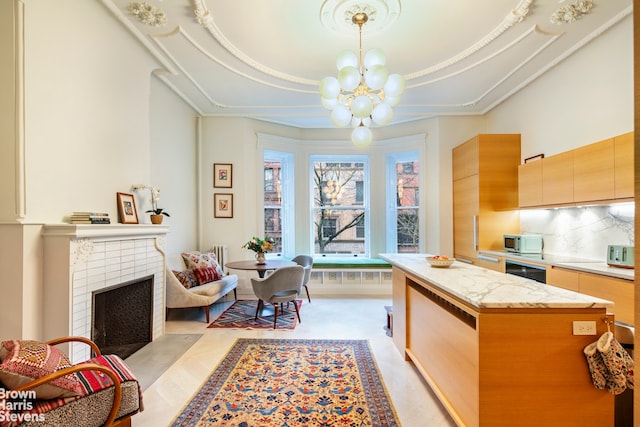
column 498, row 350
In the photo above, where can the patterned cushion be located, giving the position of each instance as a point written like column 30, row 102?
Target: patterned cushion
column 28, row 360
column 206, row 275
column 187, row 278
column 199, row 260
column 90, row 409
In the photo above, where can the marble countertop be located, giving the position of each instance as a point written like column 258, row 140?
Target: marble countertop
column 569, row 262
column 484, row 288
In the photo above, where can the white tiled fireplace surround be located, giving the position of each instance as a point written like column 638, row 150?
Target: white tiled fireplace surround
column 80, row 259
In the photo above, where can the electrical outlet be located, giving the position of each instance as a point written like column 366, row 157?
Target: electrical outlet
column 584, row 327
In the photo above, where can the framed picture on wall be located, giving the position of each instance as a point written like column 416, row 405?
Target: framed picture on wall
column 223, row 205
column 127, row 208
column 222, row 175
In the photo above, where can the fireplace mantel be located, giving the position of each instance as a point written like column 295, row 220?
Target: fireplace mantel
column 80, row 231
column 82, row 258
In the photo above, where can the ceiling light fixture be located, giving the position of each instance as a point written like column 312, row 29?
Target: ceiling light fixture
column 364, row 92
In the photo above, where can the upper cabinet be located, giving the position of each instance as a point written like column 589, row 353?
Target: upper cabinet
column 623, row 155
column 593, row 172
column 596, row 173
column 485, row 193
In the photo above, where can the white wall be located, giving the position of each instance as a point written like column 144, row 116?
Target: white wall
column 586, row 98
column 174, row 167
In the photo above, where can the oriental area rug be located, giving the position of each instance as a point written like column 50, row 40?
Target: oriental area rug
column 293, row 382
column 241, row 315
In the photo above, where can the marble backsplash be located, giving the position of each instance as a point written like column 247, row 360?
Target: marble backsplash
column 583, row 232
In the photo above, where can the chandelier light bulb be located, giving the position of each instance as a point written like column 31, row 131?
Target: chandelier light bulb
column 374, row 57
column 329, row 88
column 329, row 104
column 361, row 136
column 392, row 100
column 382, row 114
column 361, row 106
column 349, row 78
column 341, row 116
column 376, row 77
column 394, row 86
column 347, row 59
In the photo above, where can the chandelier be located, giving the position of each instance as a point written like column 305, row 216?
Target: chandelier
column 364, row 92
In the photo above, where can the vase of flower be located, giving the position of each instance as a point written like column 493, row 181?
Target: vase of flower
column 260, row 247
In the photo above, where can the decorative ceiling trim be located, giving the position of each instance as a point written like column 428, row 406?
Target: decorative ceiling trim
column 181, row 32
column 532, row 30
column 514, row 17
column 336, row 15
column 147, row 13
column 571, row 12
column 204, row 18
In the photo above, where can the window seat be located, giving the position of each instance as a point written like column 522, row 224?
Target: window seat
column 350, row 263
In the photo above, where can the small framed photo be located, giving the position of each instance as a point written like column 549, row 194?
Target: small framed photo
column 222, row 175
column 127, row 208
column 223, row 205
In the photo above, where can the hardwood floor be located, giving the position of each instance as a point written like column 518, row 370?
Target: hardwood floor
column 328, row 318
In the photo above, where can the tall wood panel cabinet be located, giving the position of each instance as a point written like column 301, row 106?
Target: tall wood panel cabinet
column 485, row 193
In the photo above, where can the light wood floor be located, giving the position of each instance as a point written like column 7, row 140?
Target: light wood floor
column 323, row 318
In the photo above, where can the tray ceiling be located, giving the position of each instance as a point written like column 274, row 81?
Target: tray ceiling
column 265, row 59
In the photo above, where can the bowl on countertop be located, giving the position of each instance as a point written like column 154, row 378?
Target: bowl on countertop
column 440, row 262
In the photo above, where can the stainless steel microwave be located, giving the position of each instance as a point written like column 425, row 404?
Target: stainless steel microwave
column 523, row 243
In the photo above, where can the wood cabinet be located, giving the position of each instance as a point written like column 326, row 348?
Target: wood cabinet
column 485, row 193
column 620, row 291
column 557, row 179
column 485, row 365
column 530, row 184
column 593, row 172
column 623, row 155
column 596, row 173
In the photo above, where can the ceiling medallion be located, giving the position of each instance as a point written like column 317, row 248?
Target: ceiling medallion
column 572, row 12
column 337, row 15
column 147, row 13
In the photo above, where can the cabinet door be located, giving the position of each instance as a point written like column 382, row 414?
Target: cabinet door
column 619, row 291
column 465, row 217
column 557, row 179
column 465, row 159
column 623, row 149
column 593, row 172
column 530, row 184
column 561, row 278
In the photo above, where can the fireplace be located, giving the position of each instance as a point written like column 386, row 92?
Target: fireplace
column 122, row 317
column 81, row 260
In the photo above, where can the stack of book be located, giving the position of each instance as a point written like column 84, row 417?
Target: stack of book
column 90, row 218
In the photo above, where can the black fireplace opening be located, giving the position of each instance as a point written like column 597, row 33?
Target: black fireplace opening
column 123, row 317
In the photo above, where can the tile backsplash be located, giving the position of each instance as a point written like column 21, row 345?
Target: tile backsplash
column 583, row 232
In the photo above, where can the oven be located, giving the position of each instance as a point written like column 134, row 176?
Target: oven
column 528, row 271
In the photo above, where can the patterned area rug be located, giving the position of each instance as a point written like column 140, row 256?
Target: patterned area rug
column 241, row 315
column 293, row 382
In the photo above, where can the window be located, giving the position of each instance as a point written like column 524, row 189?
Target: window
column 403, row 216
column 278, row 167
column 339, row 204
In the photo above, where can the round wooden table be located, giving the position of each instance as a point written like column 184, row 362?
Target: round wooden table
column 270, row 264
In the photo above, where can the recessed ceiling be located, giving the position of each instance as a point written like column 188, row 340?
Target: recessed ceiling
column 265, row 59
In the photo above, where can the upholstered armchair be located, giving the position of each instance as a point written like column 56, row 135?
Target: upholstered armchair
column 283, row 285
column 99, row 392
column 305, row 261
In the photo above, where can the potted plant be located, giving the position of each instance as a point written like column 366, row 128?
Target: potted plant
column 157, row 214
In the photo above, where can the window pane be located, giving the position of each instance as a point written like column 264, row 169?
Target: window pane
column 408, row 230
column 407, row 183
column 339, row 231
column 335, row 184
